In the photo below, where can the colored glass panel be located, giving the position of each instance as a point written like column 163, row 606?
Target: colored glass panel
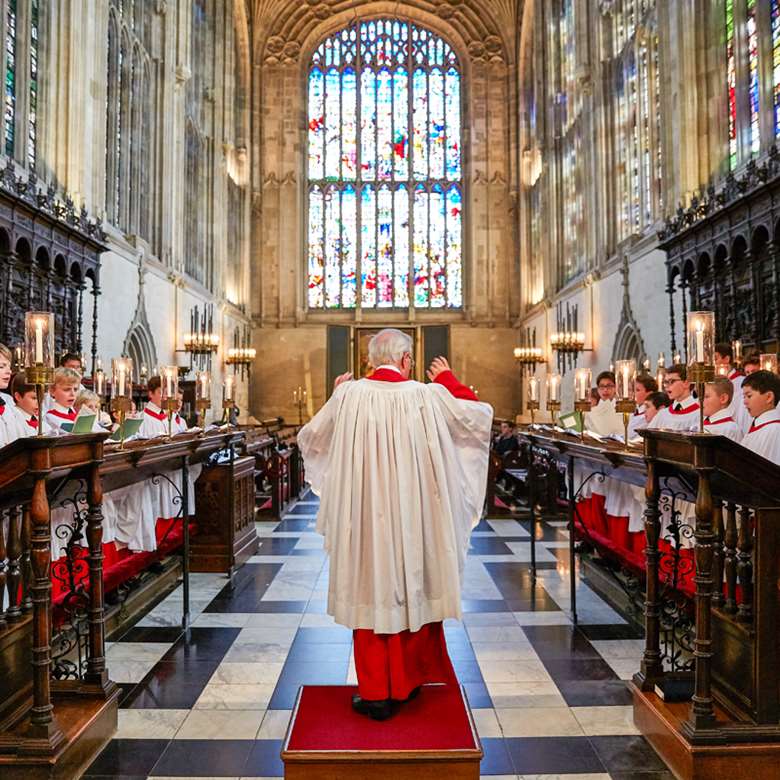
column 384, row 123
column 731, row 76
column 10, row 77
column 776, row 62
column 753, row 87
column 32, row 114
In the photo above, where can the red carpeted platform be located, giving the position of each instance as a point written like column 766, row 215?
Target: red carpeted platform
column 431, row 736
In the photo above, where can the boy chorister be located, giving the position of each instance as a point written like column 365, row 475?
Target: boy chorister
column 718, row 403
column 26, row 406
column 644, row 386
column 761, row 394
column 63, row 391
column 73, row 362
column 723, row 357
column 8, row 424
column 683, row 414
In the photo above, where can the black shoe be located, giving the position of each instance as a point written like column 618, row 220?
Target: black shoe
column 378, row 710
column 413, row 695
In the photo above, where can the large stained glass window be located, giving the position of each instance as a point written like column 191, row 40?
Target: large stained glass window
column 32, row 118
column 385, row 197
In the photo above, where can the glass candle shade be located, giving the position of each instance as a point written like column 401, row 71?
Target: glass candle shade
column 99, row 383
column 582, row 383
column 722, row 371
column 203, row 386
column 169, row 378
column 769, row 363
column 122, row 378
column 625, row 378
column 736, row 352
column 554, row 388
column 534, row 389
column 701, row 338
column 229, row 389
column 39, row 339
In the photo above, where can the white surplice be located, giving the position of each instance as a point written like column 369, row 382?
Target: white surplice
column 763, row 438
column 401, row 469
column 680, row 416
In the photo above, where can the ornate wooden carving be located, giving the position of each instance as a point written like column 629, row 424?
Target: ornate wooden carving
column 724, row 254
column 48, row 252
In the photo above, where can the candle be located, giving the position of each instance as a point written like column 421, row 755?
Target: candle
column 554, row 382
column 625, row 382
column 533, row 389
column 38, row 342
column 121, row 382
column 699, row 341
column 100, row 383
column 737, row 350
column 661, row 360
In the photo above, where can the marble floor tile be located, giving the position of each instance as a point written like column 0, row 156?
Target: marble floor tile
column 222, row 619
column 488, row 619
column 526, row 695
column 247, row 673
column 606, row 721
column 275, row 724
column 496, row 633
column 504, row 651
column 486, row 722
column 221, row 696
column 149, row 724
column 619, row 648
column 272, row 635
column 513, row 671
column 541, row 618
column 217, row 724
column 541, row 722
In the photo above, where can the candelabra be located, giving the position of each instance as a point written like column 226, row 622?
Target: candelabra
column 533, row 402
column 299, row 399
column 228, row 396
column 201, row 342
column 121, row 392
column 701, row 354
column 202, row 395
column 169, row 378
column 567, row 341
column 625, row 378
column 529, row 357
column 39, row 353
column 582, row 384
column 241, row 355
column 553, row 395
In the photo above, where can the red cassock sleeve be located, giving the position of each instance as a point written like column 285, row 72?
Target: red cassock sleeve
column 459, row 390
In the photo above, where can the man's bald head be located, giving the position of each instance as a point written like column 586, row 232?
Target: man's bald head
column 388, row 347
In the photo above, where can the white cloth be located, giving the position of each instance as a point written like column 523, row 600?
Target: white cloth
column 603, row 419
column 401, row 469
column 722, row 423
column 685, row 419
column 23, row 425
column 737, row 408
column 637, row 421
column 763, row 438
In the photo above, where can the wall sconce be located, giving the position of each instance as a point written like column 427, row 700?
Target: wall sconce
column 241, row 355
column 201, row 342
column 567, row 341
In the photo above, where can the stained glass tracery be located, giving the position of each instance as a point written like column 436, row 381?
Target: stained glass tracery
column 776, row 62
column 385, row 178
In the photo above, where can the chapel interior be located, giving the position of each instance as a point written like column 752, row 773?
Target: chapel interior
column 222, row 201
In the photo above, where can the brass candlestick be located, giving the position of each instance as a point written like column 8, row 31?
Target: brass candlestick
column 581, row 407
column 553, row 407
column 700, row 374
column 532, row 406
column 201, row 405
column 121, row 406
column 41, row 376
column 626, row 407
column 170, row 404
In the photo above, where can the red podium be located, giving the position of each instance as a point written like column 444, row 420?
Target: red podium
column 432, row 736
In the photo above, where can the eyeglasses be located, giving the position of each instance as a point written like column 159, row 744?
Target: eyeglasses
column 670, row 382
column 411, row 360
column 605, row 386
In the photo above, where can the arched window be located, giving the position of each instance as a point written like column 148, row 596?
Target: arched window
column 385, row 194
column 638, row 147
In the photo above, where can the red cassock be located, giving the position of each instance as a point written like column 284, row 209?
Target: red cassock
column 391, row 666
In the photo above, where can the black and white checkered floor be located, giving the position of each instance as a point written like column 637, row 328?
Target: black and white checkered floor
column 549, row 699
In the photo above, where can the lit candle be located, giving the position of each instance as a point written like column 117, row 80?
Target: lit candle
column 625, row 382
column 204, row 384
column 533, row 389
column 699, row 341
column 100, row 383
column 39, row 341
column 121, row 380
column 555, row 388
column 737, row 349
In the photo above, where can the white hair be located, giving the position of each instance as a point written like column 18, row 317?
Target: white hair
column 388, row 347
